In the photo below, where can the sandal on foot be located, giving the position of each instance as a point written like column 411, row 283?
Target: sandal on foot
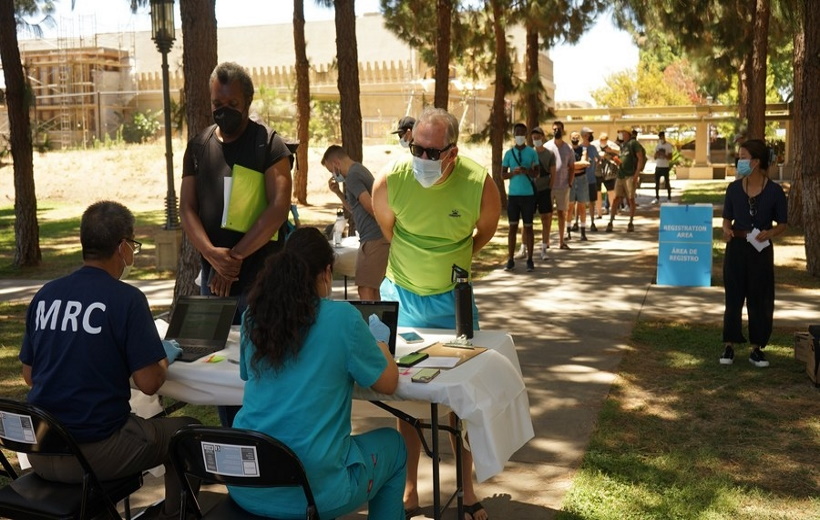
column 473, row 509
column 410, row 513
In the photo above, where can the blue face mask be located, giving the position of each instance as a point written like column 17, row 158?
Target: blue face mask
column 744, row 167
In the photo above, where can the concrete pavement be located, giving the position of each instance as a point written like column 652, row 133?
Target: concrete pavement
column 571, row 319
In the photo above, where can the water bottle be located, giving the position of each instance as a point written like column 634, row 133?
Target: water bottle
column 464, row 302
column 338, row 228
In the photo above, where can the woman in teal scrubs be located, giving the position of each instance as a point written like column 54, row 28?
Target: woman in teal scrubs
column 300, row 355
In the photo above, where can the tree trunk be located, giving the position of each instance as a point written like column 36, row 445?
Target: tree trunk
column 757, row 81
column 198, row 61
column 795, row 140
column 444, row 13
column 533, row 78
column 810, row 135
column 26, row 230
column 348, row 61
column 302, row 102
column 498, row 121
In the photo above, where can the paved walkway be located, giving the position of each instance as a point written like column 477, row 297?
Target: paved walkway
column 571, row 319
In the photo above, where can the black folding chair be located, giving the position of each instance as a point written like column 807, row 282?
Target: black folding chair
column 275, row 466
column 28, row 429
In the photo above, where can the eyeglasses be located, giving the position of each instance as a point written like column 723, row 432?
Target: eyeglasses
column 137, row 246
column 753, row 206
column 432, row 153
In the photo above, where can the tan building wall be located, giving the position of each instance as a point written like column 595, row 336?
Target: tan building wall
column 391, row 74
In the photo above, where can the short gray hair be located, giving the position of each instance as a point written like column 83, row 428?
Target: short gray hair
column 228, row 71
column 435, row 115
column 102, row 228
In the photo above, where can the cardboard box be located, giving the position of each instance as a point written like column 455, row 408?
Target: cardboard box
column 802, row 346
column 813, row 363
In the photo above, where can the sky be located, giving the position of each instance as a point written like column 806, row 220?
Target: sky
column 578, row 69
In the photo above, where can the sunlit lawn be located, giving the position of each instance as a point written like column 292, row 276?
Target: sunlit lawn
column 682, row 437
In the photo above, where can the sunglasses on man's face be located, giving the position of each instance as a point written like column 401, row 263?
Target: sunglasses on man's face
column 434, row 154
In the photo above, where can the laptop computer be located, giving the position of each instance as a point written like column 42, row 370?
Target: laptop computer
column 201, row 324
column 387, row 311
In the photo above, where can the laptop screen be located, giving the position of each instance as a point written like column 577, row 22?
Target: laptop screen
column 202, row 318
column 388, row 313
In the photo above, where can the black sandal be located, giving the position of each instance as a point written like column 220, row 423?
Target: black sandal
column 473, row 509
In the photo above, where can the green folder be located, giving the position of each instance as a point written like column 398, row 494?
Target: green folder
column 247, row 200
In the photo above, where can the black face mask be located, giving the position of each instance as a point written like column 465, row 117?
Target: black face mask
column 576, row 141
column 559, row 133
column 228, row 120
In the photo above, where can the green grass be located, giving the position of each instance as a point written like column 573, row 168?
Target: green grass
column 682, row 437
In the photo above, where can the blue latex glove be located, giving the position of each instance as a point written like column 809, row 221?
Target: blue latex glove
column 379, row 330
column 172, row 350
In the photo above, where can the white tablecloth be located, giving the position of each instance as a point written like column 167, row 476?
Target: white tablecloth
column 487, row 392
column 346, row 254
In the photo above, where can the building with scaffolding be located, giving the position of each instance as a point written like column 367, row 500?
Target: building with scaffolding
column 86, row 85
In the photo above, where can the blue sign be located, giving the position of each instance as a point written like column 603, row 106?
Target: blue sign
column 685, row 245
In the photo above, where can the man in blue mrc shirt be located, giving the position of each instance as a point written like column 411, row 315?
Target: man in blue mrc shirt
column 86, row 334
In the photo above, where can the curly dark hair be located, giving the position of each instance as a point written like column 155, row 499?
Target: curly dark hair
column 283, row 302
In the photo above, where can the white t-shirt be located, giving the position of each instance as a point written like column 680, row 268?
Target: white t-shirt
column 666, row 147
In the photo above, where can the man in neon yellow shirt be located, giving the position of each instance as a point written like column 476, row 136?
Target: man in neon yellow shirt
column 437, row 209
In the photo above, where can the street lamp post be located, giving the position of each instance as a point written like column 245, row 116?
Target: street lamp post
column 162, row 32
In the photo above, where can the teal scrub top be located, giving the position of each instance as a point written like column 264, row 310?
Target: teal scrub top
column 307, row 405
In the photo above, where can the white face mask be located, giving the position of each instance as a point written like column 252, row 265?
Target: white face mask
column 127, row 269
column 537, row 143
column 520, row 140
column 403, row 143
column 426, row 171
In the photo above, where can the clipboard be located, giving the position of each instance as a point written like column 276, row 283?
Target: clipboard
column 462, row 353
column 245, row 199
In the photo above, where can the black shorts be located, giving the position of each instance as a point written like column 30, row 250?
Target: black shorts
column 593, row 192
column 609, row 185
column 543, row 202
column 661, row 172
column 521, row 207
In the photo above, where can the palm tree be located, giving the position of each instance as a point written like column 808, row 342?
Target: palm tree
column 18, row 100
column 199, row 58
column 302, row 101
column 347, row 58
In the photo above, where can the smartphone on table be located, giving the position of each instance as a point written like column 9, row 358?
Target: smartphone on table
column 411, row 359
column 425, row 375
column 411, row 337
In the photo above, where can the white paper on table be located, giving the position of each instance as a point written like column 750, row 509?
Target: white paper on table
column 438, row 362
column 751, row 237
column 226, row 198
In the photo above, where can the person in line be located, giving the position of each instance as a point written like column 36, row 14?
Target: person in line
column 461, row 210
column 308, row 350
column 87, row 334
column 230, row 259
column 592, row 180
column 609, row 153
column 563, row 177
column 371, row 261
column 543, row 197
column 405, row 131
column 663, row 153
column 578, row 188
column 751, row 204
column 633, row 158
column 520, row 166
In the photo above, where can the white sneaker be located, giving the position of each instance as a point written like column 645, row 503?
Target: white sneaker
column 654, row 201
column 543, row 249
column 522, row 253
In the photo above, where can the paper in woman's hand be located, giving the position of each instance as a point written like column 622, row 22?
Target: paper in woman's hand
column 751, row 237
